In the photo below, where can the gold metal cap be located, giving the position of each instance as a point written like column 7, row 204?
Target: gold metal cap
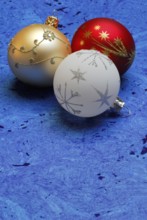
column 52, row 21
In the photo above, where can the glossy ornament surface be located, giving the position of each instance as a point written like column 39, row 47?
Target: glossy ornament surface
column 35, row 53
column 109, row 37
column 86, row 83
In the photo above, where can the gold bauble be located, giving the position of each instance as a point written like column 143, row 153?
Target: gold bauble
column 35, row 53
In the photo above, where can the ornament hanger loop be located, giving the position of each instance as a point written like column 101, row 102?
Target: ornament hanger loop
column 55, row 13
column 127, row 114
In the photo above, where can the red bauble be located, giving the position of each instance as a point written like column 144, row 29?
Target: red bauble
column 109, row 37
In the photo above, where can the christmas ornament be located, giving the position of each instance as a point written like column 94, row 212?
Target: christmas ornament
column 86, row 83
column 36, row 51
column 109, row 37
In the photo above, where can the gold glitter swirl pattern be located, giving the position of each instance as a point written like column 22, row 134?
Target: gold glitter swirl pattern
column 116, row 47
column 47, row 35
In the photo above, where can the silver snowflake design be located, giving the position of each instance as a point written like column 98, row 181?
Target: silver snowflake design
column 104, row 98
column 93, row 58
column 67, row 100
column 78, row 75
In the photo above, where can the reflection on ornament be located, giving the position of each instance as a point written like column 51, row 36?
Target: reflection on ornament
column 86, row 83
column 37, row 48
column 109, row 37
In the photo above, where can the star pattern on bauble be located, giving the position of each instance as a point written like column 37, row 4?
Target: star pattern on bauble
column 67, row 99
column 87, row 34
column 103, row 35
column 117, row 41
column 97, row 27
column 78, row 75
column 104, row 97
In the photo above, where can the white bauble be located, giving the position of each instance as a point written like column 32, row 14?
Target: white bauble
column 86, row 83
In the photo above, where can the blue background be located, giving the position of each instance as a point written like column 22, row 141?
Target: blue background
column 54, row 166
